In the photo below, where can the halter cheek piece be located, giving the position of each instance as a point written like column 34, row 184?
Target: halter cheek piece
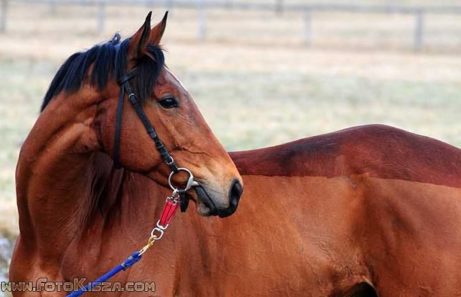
column 125, row 88
column 171, row 202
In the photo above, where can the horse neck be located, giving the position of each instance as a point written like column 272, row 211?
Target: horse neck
column 56, row 162
column 64, row 179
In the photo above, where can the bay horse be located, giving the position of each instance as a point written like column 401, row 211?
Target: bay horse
column 364, row 212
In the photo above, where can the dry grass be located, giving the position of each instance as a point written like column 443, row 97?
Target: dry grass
column 255, row 82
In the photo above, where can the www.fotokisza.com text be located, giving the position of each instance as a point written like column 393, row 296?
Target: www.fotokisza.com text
column 45, row 285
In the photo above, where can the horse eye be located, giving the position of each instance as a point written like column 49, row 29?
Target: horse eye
column 169, row 102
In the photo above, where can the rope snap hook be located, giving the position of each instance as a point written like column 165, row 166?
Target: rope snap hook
column 189, row 184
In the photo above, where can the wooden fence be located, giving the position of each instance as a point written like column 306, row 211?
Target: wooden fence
column 419, row 13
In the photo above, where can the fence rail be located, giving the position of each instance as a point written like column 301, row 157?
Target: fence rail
column 419, row 12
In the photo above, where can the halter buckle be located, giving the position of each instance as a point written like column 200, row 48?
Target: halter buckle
column 169, row 161
column 132, row 97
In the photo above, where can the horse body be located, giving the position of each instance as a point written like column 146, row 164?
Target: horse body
column 368, row 211
column 342, row 214
column 318, row 218
column 371, row 206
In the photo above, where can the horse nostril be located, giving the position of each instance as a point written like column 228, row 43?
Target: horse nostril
column 235, row 192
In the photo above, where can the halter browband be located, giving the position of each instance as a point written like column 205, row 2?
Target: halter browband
column 125, row 88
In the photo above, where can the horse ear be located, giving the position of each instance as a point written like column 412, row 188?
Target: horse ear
column 140, row 39
column 157, row 32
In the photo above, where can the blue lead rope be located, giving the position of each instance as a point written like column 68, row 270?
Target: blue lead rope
column 130, row 261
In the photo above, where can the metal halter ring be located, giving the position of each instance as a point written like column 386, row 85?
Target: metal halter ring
column 189, row 184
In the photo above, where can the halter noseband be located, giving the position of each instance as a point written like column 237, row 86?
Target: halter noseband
column 125, row 88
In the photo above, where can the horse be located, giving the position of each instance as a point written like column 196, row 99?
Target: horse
column 363, row 212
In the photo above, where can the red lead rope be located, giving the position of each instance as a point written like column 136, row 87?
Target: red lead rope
column 168, row 212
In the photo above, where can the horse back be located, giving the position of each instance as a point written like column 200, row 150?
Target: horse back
column 373, row 150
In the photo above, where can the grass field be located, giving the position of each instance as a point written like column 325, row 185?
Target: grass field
column 253, row 79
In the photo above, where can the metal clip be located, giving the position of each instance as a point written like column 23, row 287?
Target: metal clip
column 174, row 197
column 157, row 233
column 159, row 230
column 189, row 184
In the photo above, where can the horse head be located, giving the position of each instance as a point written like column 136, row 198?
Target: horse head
column 114, row 72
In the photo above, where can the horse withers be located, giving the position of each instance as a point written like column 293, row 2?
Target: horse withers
column 364, row 212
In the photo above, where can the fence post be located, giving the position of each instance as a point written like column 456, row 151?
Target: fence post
column 169, row 5
column 418, row 39
column 101, row 15
column 201, row 21
column 229, row 3
column 307, row 32
column 3, row 13
column 279, row 6
column 52, row 6
column 149, row 3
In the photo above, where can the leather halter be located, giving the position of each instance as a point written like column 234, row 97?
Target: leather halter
column 125, row 88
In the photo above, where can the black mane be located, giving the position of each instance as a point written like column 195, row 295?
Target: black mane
column 109, row 61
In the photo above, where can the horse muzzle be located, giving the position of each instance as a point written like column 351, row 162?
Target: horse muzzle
column 209, row 205
column 209, row 200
